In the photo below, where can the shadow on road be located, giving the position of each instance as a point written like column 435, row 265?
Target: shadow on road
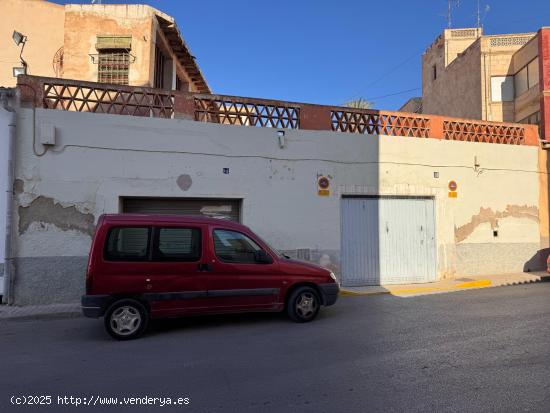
column 204, row 322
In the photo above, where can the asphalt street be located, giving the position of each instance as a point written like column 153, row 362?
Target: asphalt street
column 474, row 351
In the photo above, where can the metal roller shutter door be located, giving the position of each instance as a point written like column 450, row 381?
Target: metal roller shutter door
column 215, row 208
column 388, row 240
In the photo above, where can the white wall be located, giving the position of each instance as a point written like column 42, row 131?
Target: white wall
column 100, row 158
column 97, row 162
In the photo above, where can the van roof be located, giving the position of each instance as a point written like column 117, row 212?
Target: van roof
column 154, row 218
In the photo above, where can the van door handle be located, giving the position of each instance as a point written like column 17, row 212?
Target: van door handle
column 204, row 267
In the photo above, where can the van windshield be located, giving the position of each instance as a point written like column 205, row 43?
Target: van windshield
column 275, row 250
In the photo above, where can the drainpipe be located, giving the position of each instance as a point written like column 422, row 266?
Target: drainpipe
column 5, row 95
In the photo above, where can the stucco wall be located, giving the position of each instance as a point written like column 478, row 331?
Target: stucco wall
column 457, row 89
column 100, row 158
column 463, row 84
column 487, row 200
column 42, row 23
column 83, row 23
column 74, row 28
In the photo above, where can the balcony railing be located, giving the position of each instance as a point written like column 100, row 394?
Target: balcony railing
column 79, row 96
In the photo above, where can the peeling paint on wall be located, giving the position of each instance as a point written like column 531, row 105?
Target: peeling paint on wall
column 217, row 211
column 18, row 186
column 47, row 211
column 487, row 215
column 184, row 182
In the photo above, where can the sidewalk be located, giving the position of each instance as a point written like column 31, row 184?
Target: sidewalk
column 39, row 311
column 446, row 286
column 406, row 290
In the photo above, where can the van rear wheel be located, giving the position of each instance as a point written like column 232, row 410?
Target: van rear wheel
column 126, row 319
column 303, row 304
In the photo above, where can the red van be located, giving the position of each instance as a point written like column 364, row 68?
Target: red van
column 154, row 266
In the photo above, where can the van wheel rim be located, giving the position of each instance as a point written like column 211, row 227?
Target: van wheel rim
column 125, row 320
column 306, row 304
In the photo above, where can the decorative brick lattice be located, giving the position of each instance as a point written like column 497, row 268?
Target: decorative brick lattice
column 464, row 33
column 509, row 41
column 246, row 112
column 483, row 132
column 111, row 100
column 372, row 122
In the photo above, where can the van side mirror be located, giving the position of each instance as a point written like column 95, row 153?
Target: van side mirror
column 262, row 257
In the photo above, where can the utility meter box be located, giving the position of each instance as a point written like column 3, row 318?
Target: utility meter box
column 47, row 134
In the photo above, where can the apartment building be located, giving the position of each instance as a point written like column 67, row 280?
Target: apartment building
column 502, row 78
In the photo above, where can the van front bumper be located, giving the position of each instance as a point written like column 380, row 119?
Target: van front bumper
column 330, row 293
column 94, row 306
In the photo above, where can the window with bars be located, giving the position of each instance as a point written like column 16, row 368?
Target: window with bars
column 113, row 66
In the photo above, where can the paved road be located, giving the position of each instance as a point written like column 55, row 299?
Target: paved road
column 482, row 350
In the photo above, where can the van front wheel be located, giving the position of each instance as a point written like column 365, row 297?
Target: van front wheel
column 303, row 304
column 126, row 319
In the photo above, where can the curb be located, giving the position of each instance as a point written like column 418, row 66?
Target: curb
column 475, row 284
column 42, row 316
column 478, row 284
column 21, row 313
column 349, row 293
column 464, row 286
column 39, row 312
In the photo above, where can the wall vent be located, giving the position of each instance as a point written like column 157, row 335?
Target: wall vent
column 509, row 41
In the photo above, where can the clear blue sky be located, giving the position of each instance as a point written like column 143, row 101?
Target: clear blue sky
column 326, row 52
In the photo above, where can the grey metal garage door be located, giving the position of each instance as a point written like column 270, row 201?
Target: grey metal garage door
column 216, row 208
column 387, row 240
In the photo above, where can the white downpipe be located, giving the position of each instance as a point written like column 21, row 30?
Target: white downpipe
column 5, row 95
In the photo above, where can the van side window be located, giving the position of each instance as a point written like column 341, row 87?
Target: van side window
column 177, row 244
column 232, row 246
column 127, row 244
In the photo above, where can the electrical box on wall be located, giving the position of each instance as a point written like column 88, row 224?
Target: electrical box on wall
column 47, row 134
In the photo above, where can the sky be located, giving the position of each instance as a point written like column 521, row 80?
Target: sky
column 328, row 52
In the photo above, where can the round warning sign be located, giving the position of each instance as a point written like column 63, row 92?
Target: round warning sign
column 323, row 182
column 452, row 186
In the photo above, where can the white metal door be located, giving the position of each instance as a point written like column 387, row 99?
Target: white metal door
column 360, row 255
column 388, row 241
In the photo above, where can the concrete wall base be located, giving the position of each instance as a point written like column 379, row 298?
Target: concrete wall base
column 481, row 258
column 49, row 280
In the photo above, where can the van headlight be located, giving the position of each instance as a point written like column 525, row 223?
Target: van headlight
column 332, row 276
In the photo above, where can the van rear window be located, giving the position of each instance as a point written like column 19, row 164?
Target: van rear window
column 177, row 244
column 128, row 244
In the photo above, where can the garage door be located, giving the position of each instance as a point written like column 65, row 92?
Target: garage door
column 387, row 241
column 215, row 208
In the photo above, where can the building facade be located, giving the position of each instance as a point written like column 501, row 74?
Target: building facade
column 377, row 197
column 120, row 44
column 496, row 78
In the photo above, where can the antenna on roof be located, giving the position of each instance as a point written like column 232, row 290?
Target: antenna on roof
column 450, row 11
column 479, row 17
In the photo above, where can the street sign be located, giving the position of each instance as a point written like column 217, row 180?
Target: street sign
column 452, row 186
